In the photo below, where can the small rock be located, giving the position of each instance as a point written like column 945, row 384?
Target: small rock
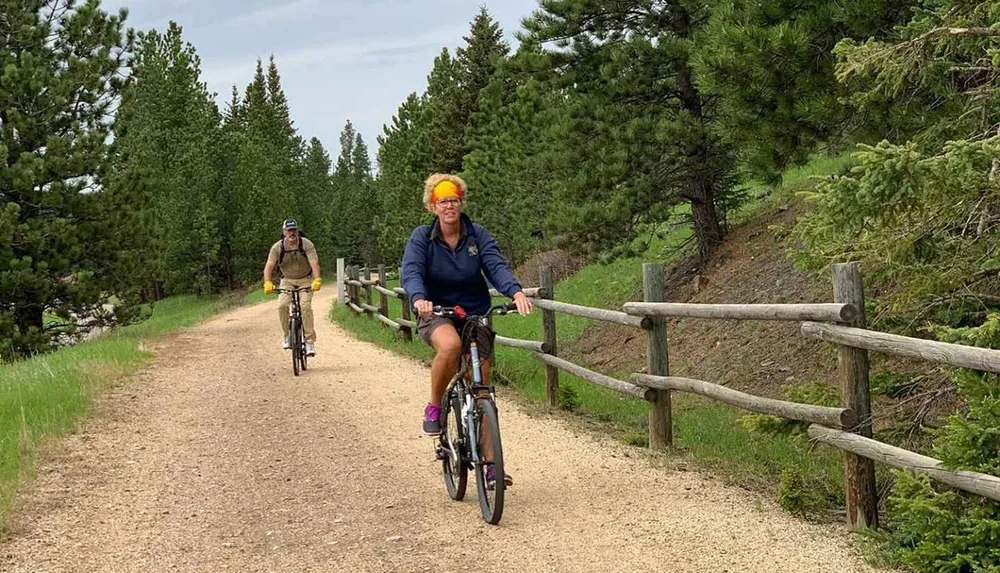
column 394, row 538
column 699, row 283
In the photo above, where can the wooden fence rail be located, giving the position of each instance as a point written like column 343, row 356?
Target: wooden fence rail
column 796, row 312
column 847, row 428
column 614, row 316
column 974, row 482
column 959, row 355
column 837, row 417
column 532, row 345
column 591, row 376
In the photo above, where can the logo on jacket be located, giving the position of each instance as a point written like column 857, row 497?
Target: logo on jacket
column 473, row 250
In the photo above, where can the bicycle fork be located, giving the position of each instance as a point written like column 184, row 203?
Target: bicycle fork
column 469, row 408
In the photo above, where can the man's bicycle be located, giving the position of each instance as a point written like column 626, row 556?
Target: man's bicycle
column 470, row 436
column 296, row 331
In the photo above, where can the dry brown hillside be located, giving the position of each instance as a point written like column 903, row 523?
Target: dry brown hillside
column 752, row 266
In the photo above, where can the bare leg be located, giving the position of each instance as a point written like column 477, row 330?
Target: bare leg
column 448, row 348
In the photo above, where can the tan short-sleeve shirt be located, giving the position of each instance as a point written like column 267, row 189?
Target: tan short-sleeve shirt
column 294, row 265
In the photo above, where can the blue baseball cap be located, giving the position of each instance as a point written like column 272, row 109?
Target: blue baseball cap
column 289, row 224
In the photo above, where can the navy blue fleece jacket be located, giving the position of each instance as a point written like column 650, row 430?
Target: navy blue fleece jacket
column 434, row 271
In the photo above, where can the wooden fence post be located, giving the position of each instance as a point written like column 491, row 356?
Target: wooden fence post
column 383, row 300
column 405, row 301
column 852, row 369
column 352, row 290
column 549, row 327
column 366, row 274
column 348, row 289
column 340, row 282
column 657, row 364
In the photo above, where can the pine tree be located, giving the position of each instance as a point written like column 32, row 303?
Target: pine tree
column 57, row 253
column 508, row 168
column 348, row 136
column 475, row 64
column 354, row 187
column 361, row 165
column 445, row 124
column 638, row 130
column 771, row 64
column 268, row 172
column 320, row 216
column 284, row 129
column 404, row 160
column 168, row 128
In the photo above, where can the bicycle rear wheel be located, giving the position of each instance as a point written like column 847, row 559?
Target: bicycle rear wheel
column 293, row 332
column 456, row 472
column 490, row 498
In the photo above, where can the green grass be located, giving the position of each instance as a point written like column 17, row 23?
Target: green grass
column 44, row 397
column 707, row 432
column 764, row 197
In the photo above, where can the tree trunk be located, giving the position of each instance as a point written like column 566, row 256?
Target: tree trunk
column 707, row 230
column 700, row 190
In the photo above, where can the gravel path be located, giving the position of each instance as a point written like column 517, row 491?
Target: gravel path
column 216, row 458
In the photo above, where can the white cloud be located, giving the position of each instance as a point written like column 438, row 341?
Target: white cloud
column 269, row 14
column 234, row 69
column 351, row 52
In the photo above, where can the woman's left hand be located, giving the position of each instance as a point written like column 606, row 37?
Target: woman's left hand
column 523, row 303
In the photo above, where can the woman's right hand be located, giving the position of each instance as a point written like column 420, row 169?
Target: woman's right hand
column 424, row 308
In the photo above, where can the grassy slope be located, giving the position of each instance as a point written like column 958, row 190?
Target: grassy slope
column 44, row 397
column 707, row 432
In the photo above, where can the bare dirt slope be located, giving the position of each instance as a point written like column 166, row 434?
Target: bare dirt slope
column 216, row 458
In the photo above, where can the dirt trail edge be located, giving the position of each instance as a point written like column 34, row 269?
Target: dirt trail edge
column 216, row 458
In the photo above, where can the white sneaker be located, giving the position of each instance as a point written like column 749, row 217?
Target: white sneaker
column 286, row 344
column 310, row 348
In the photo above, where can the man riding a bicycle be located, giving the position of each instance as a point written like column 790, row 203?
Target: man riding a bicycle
column 296, row 259
column 447, row 263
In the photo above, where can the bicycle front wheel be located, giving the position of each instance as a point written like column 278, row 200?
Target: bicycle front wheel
column 302, row 349
column 293, row 332
column 491, row 493
column 456, row 473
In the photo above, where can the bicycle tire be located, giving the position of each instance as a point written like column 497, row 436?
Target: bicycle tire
column 492, row 510
column 293, row 332
column 454, row 469
column 302, row 352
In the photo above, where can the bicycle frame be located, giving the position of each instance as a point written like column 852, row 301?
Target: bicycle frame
column 468, row 393
column 295, row 328
column 472, row 440
column 296, row 311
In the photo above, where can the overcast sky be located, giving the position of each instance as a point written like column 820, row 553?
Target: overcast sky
column 339, row 59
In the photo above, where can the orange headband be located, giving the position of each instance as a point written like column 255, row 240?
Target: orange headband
column 444, row 189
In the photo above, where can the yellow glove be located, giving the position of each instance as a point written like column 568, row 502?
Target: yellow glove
column 317, row 282
column 268, row 287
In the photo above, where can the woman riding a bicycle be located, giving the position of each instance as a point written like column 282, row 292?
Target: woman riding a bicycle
column 447, row 263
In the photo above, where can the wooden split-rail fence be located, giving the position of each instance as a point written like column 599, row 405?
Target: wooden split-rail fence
column 841, row 322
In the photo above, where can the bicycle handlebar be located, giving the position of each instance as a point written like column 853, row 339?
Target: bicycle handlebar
column 291, row 290
column 459, row 312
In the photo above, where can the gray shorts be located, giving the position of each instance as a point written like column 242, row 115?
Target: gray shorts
column 427, row 326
